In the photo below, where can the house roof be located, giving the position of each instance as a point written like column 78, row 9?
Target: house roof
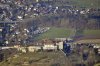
column 47, row 41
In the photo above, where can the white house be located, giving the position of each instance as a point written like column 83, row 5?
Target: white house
column 60, row 45
column 96, row 46
column 99, row 51
column 31, row 49
column 23, row 49
column 37, row 0
column 60, row 39
column 49, row 45
column 0, row 29
column 17, row 46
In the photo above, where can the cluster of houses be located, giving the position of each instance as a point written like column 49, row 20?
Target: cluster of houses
column 52, row 44
column 20, row 9
column 97, row 49
column 45, row 44
column 40, row 30
column 11, row 33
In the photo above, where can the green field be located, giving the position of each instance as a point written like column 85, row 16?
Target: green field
column 81, row 3
column 56, row 33
column 87, row 3
column 92, row 32
column 64, row 33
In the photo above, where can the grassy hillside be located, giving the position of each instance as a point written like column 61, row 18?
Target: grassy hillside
column 56, row 33
column 35, row 59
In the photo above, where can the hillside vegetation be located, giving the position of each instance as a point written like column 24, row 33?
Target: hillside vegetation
column 56, row 33
column 65, row 32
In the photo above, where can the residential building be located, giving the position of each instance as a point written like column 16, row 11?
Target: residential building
column 31, row 49
column 49, row 45
column 60, row 45
column 60, row 39
column 34, row 48
column 23, row 49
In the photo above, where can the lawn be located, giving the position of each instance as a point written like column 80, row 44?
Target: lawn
column 55, row 32
column 87, row 3
column 82, row 3
column 92, row 32
column 89, row 36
